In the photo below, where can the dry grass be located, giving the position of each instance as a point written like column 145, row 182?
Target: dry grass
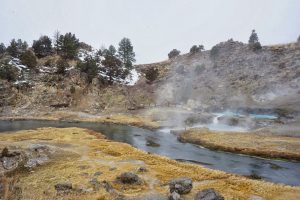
column 116, row 118
column 80, row 153
column 246, row 143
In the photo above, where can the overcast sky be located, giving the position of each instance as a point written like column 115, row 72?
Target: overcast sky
column 154, row 26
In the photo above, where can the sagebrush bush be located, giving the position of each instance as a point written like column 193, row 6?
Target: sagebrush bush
column 29, row 59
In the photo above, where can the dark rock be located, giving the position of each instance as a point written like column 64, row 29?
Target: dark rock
column 181, row 185
column 63, row 187
column 129, row 178
column 10, row 163
column 174, row 196
column 142, row 169
column 208, row 194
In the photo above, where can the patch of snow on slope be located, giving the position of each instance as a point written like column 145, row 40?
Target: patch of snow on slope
column 17, row 63
column 132, row 78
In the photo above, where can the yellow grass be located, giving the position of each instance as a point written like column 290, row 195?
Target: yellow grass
column 246, row 143
column 80, row 153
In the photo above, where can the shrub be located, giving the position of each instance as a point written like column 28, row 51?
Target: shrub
column 174, row 53
column 29, row 59
column 72, row 89
column 61, row 66
column 214, row 52
column 199, row 69
column 8, row 72
column 151, row 74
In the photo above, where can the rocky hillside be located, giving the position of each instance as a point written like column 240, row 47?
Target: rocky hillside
column 230, row 76
column 233, row 76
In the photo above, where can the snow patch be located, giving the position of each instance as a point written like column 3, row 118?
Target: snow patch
column 132, row 78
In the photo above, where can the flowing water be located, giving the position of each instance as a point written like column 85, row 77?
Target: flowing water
column 163, row 143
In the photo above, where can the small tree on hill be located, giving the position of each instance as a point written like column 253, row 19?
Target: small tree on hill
column 298, row 39
column 196, row 49
column 16, row 48
column 2, row 48
column 88, row 66
column 12, row 49
column 254, row 42
column 113, row 66
column 56, row 37
column 61, row 66
column 151, row 74
column 174, row 53
column 126, row 53
column 67, row 46
column 42, row 47
column 29, row 59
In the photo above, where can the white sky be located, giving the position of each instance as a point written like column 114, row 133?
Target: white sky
column 154, row 26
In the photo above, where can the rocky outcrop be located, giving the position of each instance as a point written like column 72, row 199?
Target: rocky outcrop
column 129, row 178
column 181, row 185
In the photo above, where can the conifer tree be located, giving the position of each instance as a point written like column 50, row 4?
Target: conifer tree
column 2, row 48
column 254, row 42
column 42, row 47
column 126, row 53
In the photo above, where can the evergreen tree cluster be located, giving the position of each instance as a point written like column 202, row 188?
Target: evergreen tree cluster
column 113, row 64
column 16, row 48
column 195, row 49
column 42, row 47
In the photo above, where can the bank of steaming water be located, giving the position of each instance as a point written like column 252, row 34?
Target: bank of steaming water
column 166, row 144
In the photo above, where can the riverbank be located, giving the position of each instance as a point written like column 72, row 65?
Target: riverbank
column 83, row 158
column 125, row 119
column 250, row 143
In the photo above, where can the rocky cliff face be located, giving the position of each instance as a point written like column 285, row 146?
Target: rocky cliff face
column 234, row 76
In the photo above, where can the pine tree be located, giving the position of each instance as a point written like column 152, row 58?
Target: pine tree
column 67, row 46
column 16, row 48
column 298, row 39
column 56, row 37
column 12, row 49
column 42, row 47
column 112, row 65
column 254, row 42
column 2, row 48
column 126, row 53
column 88, row 66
